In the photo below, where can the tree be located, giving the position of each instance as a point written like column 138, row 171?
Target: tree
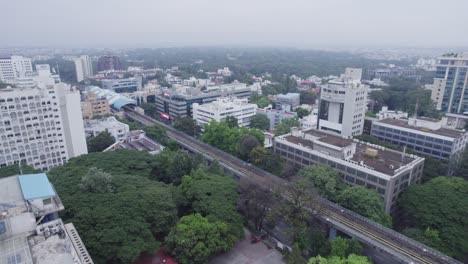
column 100, row 142
column 170, row 166
column 440, row 205
column 327, row 181
column 255, row 202
column 246, row 145
column 343, row 247
column 141, row 210
column 97, row 181
column 301, row 112
column 307, row 97
column 194, row 239
column 462, row 170
column 352, row 259
column 295, row 257
column 265, row 159
column 260, row 122
column 285, row 126
column 365, row 202
column 187, row 125
column 231, row 121
column 149, row 108
column 15, row 170
column 157, row 133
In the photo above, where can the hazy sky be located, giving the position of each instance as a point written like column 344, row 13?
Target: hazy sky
column 301, row 23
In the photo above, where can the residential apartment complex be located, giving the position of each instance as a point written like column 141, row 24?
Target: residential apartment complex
column 424, row 136
column 288, row 102
column 276, row 116
column 126, row 85
column 117, row 129
column 223, row 107
column 342, row 105
column 177, row 102
column 388, row 172
column 108, row 62
column 92, row 105
column 83, row 67
column 450, row 88
column 30, row 230
column 41, row 126
column 11, row 68
column 41, row 76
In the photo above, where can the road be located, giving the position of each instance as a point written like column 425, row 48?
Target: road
column 401, row 247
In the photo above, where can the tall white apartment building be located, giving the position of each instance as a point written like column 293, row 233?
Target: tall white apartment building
column 41, row 126
column 343, row 104
column 222, row 108
column 83, row 67
column 41, row 76
column 14, row 67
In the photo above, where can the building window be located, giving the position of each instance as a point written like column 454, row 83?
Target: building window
column 47, row 201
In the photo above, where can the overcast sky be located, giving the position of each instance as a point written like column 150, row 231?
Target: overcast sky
column 300, row 23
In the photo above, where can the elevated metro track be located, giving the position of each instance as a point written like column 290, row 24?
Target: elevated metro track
column 400, row 247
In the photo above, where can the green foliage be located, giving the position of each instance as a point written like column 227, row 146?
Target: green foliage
column 100, row 142
column 187, row 125
column 246, row 145
column 343, row 247
column 295, row 257
column 260, row 122
column 371, row 114
column 285, row 126
column 213, row 196
column 149, row 108
column 65, row 67
column 352, row 259
column 308, row 97
column 327, row 181
column 441, row 205
column 226, row 138
column 301, row 112
column 170, row 166
column 231, row 121
column 260, row 100
column 194, row 239
column 265, row 159
column 462, row 170
column 14, row 170
column 116, row 226
column 97, row 181
column 157, row 133
column 365, row 202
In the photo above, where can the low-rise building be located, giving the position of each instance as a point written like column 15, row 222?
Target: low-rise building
column 30, row 230
column 137, row 140
column 275, row 116
column 92, row 105
column 385, row 171
column 395, row 114
column 111, row 125
column 456, row 121
column 424, row 136
column 126, row 85
column 220, row 109
column 289, row 101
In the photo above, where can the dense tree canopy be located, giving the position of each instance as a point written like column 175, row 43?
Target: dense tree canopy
column 260, row 122
column 327, row 181
column 220, row 135
column 301, row 112
column 231, row 121
column 15, row 170
column 100, row 142
column 117, row 223
column 261, row 101
column 246, row 145
column 343, row 247
column 462, row 170
column 285, row 126
column 308, row 97
column 170, row 166
column 441, row 205
column 352, row 259
column 265, row 159
column 187, row 125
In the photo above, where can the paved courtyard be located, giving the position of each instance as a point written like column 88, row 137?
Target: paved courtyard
column 244, row 252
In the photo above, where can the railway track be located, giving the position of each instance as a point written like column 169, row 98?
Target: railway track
column 382, row 237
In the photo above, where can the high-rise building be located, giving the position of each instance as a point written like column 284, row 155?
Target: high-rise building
column 83, row 67
column 41, row 76
column 343, row 104
column 11, row 68
column 450, row 88
column 108, row 62
column 41, row 126
column 220, row 109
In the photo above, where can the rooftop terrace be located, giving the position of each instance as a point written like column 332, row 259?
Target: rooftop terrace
column 452, row 133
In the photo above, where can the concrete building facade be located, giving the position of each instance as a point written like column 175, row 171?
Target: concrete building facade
column 83, row 67
column 117, row 129
column 92, row 105
column 288, row 102
column 14, row 67
column 385, row 171
column 220, row 109
column 126, row 85
column 450, row 87
column 276, row 116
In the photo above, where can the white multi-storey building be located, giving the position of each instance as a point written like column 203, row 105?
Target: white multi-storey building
column 41, row 76
column 14, row 67
column 83, row 67
column 111, row 125
column 41, row 126
column 222, row 108
column 343, row 104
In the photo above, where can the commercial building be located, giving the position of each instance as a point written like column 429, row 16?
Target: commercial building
column 385, row 171
column 14, row 67
column 41, row 126
column 343, row 104
column 456, row 121
column 223, row 107
column 275, row 116
column 92, row 105
column 115, row 100
column 178, row 102
column 109, row 62
column 138, row 141
column 41, row 76
column 111, row 125
column 126, row 85
column 450, row 87
column 395, row 114
column 30, row 230
column 83, row 67
column 424, row 136
column 289, row 101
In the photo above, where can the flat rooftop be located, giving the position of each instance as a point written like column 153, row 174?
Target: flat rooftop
column 386, row 161
column 10, row 190
column 452, row 133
